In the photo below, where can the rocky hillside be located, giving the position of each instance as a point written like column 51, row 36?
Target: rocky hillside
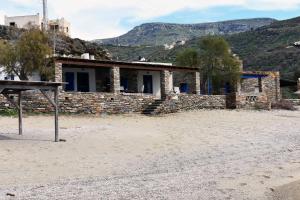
column 266, row 48
column 273, row 47
column 154, row 34
column 64, row 45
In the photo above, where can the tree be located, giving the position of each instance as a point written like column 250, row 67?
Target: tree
column 188, row 57
column 29, row 54
column 218, row 66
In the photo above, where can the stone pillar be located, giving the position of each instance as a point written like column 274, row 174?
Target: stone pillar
column 166, row 82
column 115, row 80
column 58, row 74
column 195, row 83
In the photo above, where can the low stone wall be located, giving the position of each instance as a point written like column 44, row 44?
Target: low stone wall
column 296, row 102
column 84, row 103
column 100, row 103
column 250, row 101
column 192, row 102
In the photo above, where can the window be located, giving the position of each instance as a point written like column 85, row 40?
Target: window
column 13, row 24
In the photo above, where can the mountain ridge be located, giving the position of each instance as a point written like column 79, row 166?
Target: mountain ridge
column 159, row 33
column 270, row 47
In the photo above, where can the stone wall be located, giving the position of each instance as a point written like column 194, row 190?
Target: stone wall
column 268, row 85
column 185, row 102
column 108, row 103
column 271, row 86
column 248, row 101
column 84, row 103
column 250, row 85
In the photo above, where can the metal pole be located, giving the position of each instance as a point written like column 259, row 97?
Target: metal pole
column 56, row 113
column 20, row 114
column 45, row 15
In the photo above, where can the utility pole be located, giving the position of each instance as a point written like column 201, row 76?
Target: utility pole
column 45, row 15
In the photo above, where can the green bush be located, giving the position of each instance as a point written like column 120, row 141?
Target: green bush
column 8, row 112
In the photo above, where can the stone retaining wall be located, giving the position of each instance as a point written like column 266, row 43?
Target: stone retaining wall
column 250, row 101
column 84, row 103
column 296, row 102
column 108, row 103
column 192, row 102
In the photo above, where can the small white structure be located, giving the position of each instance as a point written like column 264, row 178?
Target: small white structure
column 60, row 25
column 23, row 21
column 28, row 21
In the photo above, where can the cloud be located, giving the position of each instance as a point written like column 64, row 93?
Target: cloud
column 101, row 18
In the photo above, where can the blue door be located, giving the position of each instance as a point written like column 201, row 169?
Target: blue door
column 69, row 76
column 148, row 84
column 83, row 83
column 184, row 88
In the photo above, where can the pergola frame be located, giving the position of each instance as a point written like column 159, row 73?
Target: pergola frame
column 17, row 87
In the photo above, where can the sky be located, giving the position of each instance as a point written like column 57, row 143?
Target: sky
column 98, row 19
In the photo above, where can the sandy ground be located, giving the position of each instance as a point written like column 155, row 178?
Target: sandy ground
column 194, row 155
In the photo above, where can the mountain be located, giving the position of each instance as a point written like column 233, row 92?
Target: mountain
column 270, row 47
column 64, row 45
column 154, row 34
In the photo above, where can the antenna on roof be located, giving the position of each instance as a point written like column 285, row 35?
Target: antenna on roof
column 45, row 15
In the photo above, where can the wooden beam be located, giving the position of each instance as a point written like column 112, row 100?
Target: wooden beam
column 56, row 113
column 20, row 114
column 48, row 98
column 27, row 87
column 137, row 66
column 11, row 101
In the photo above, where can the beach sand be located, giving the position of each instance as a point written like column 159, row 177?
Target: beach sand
column 216, row 154
column 289, row 191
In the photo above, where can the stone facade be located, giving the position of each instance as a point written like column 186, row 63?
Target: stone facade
column 185, row 102
column 246, row 101
column 257, row 93
column 268, row 85
column 271, row 86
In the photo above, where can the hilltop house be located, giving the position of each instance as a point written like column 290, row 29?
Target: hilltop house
column 28, row 21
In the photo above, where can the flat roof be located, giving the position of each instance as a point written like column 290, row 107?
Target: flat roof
column 108, row 63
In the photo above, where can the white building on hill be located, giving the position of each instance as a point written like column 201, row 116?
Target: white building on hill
column 28, row 21
column 23, row 21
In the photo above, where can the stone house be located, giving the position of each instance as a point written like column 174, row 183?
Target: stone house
column 98, row 87
column 257, row 89
column 110, row 87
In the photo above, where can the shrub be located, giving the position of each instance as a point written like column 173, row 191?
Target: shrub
column 284, row 105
